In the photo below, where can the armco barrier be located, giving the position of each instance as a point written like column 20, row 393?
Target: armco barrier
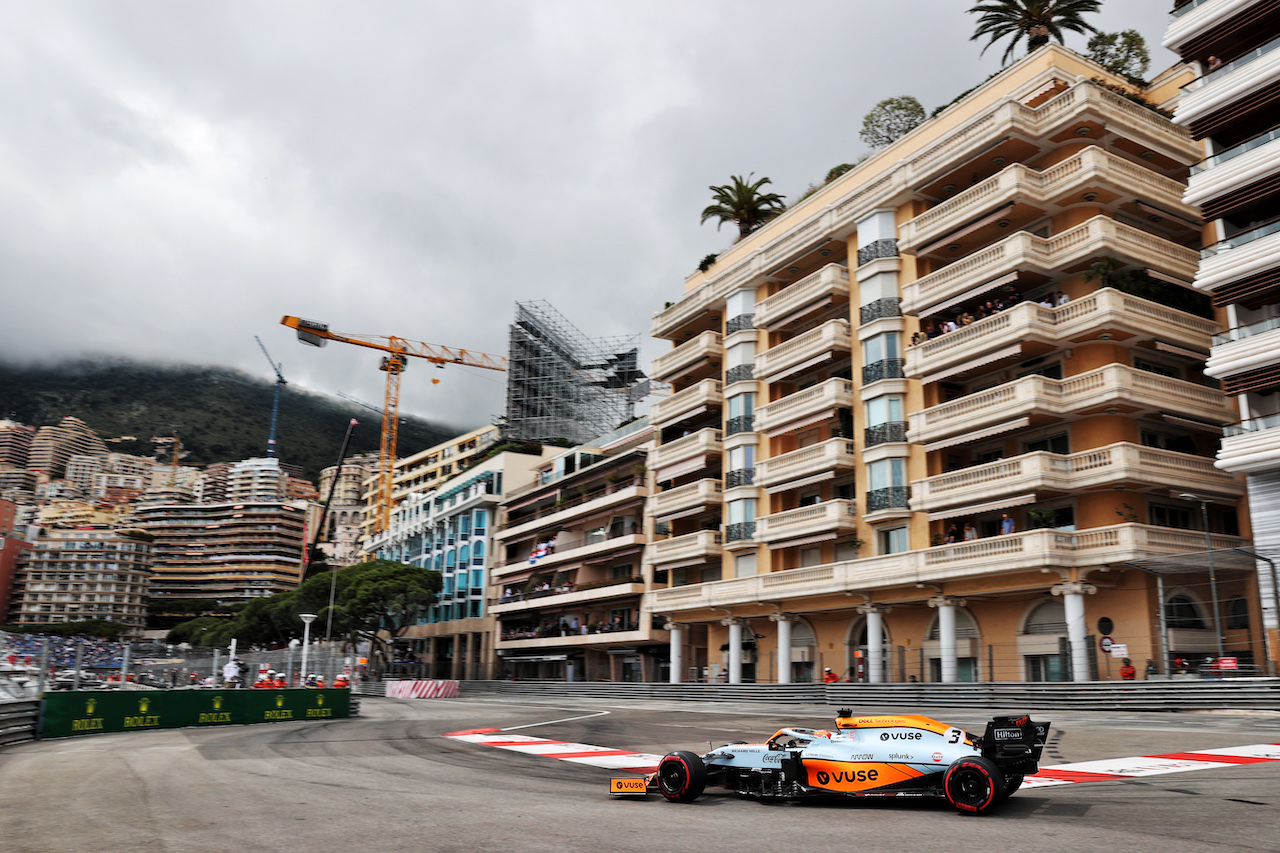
column 94, row 712
column 18, row 720
column 435, row 689
column 1246, row 694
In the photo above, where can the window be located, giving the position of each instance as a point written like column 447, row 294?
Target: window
column 742, row 405
column 477, row 554
column 1181, row 612
column 892, row 541
column 1059, row 443
column 1163, row 515
column 745, row 565
column 1237, row 613
column 742, row 511
column 742, row 458
column 881, row 347
column 1160, row 368
column 993, row 454
column 886, row 473
column 885, row 410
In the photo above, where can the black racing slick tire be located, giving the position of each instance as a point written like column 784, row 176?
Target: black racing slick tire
column 1011, row 784
column 974, row 785
column 682, row 777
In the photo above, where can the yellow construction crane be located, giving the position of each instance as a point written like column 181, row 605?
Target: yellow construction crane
column 398, row 349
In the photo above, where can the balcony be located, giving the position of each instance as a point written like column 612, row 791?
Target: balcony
column 809, row 295
column 688, row 499
column 739, row 477
column 1229, row 85
column 891, row 432
column 1245, row 348
column 569, row 511
column 574, row 549
column 1250, row 255
column 885, row 368
column 834, row 518
column 1113, row 386
column 740, row 373
column 1104, row 311
column 1022, row 193
column 890, row 306
column 685, row 455
column 556, row 598
column 1019, row 552
column 689, row 403
column 1252, row 446
column 701, row 355
column 802, row 408
column 700, row 310
column 601, row 640
column 1215, row 179
column 812, row 347
column 1122, row 465
column 836, row 454
column 740, row 531
column 1025, row 252
column 689, row 549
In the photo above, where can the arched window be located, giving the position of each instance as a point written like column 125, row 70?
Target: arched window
column 1049, row 618
column 477, row 554
column 1237, row 612
column 1181, row 612
column 966, row 628
column 464, row 555
column 450, row 558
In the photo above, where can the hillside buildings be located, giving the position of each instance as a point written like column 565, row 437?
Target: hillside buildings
column 1232, row 106
column 922, row 421
column 53, row 446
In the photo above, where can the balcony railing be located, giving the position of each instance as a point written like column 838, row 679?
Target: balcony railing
column 887, row 368
column 834, row 516
column 1238, row 62
column 740, row 477
column 740, row 373
column 708, row 345
column 1239, row 333
column 701, row 443
column 893, row 431
column 1185, row 6
column 702, row 493
column 1241, row 239
column 890, row 306
column 810, row 402
column 739, row 531
column 1236, row 150
column 708, row 392
column 834, row 454
column 834, row 335
column 1251, row 425
column 891, row 497
column 739, row 423
column 702, row 544
column 805, row 295
column 877, row 249
column 741, row 323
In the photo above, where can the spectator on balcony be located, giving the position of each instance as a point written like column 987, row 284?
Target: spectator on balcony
column 1062, row 298
column 953, row 535
column 970, row 532
column 1006, row 524
column 917, row 338
column 1214, row 63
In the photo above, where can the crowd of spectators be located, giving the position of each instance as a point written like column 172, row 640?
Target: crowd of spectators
column 567, row 626
column 1008, row 299
column 95, row 653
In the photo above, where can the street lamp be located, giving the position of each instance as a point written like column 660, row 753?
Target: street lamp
column 307, row 619
column 1213, row 579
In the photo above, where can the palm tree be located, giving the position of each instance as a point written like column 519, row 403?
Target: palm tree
column 743, row 203
column 1036, row 20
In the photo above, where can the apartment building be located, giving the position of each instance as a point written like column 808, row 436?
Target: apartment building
column 73, row 575
column 450, row 528
column 341, row 539
column 569, row 578
column 922, row 422
column 1233, row 106
column 53, row 446
column 226, row 552
column 15, row 444
column 425, row 470
column 11, row 547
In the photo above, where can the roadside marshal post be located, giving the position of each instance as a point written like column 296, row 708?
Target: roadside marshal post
column 67, row 714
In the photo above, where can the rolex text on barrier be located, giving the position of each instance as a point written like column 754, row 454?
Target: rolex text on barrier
column 81, row 713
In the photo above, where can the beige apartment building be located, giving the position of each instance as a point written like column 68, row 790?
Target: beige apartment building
column 943, row 402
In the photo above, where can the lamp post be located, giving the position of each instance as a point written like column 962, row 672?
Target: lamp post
column 307, row 619
column 1213, row 579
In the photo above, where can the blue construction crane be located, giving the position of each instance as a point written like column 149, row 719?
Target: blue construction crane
column 275, row 405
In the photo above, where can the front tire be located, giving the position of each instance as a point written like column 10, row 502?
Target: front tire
column 973, row 785
column 682, row 777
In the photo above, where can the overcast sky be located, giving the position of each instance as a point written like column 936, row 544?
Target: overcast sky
column 175, row 177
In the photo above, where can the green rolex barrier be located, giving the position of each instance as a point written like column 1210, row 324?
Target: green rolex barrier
column 82, row 713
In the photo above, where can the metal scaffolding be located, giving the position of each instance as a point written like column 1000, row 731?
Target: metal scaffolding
column 562, row 384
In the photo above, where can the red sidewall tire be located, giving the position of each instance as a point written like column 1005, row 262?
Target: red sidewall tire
column 682, row 776
column 973, row 785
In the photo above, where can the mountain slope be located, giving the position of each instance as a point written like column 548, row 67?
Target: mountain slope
column 219, row 414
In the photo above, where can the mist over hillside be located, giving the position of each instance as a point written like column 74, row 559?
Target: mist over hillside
column 219, row 414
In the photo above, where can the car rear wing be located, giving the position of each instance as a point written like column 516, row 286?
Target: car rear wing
column 1014, row 739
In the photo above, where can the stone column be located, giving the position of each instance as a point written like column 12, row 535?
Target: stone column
column 947, row 633
column 735, row 649
column 1073, row 603
column 677, row 650
column 875, row 640
column 784, row 621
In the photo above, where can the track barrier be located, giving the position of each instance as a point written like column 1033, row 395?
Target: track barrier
column 421, row 689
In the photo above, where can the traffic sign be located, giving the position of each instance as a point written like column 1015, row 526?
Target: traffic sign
column 1105, row 644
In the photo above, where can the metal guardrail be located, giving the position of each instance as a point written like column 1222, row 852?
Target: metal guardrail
column 18, row 721
column 1243, row 694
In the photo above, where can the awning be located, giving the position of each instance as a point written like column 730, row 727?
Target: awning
column 1169, row 279
column 804, row 365
column 1007, row 278
column 1014, row 349
column 1017, row 423
column 802, row 423
column 974, row 509
column 807, row 540
column 795, row 484
column 965, row 230
column 679, row 469
column 672, row 516
column 1191, row 423
column 1182, row 351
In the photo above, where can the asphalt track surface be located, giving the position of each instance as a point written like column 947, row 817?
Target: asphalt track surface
column 387, row 781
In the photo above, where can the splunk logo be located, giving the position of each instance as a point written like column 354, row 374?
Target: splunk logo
column 901, row 736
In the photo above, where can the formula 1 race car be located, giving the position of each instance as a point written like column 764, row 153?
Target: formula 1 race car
column 874, row 756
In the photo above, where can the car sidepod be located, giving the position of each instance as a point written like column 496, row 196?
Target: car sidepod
column 890, row 761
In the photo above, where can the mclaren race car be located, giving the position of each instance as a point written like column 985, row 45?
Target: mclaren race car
column 873, row 756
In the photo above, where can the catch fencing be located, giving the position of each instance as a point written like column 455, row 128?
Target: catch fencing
column 18, row 721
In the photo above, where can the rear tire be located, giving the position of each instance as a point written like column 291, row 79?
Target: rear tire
column 682, row 777
column 973, row 785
